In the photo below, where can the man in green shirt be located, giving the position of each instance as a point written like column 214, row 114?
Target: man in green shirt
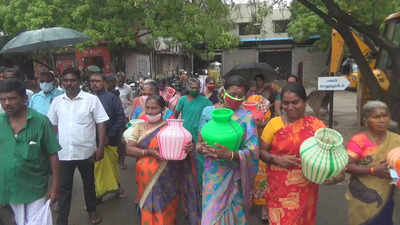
column 28, row 155
column 191, row 106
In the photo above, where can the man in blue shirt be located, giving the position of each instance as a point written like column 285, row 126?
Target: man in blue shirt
column 106, row 178
column 41, row 101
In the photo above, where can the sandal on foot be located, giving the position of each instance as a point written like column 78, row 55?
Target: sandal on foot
column 94, row 219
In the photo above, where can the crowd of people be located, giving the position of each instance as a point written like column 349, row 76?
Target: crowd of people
column 94, row 126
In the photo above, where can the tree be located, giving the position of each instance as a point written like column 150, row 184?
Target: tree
column 194, row 23
column 119, row 23
column 311, row 17
column 366, row 19
column 305, row 23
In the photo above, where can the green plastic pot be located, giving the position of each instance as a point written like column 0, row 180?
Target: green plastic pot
column 323, row 156
column 223, row 130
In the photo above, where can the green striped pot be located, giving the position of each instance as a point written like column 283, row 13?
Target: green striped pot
column 323, row 156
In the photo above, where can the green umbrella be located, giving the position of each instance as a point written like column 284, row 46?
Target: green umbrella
column 42, row 39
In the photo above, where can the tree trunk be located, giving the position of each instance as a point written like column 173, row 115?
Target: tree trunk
column 351, row 43
column 394, row 89
column 367, row 75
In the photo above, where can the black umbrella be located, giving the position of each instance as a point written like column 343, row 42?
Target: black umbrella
column 250, row 70
column 44, row 39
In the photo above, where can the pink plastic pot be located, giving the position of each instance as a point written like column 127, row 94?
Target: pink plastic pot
column 252, row 106
column 172, row 139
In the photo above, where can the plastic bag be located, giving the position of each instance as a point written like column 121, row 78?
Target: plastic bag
column 43, row 216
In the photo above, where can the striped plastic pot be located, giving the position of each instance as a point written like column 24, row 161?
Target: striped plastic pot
column 323, row 156
column 172, row 139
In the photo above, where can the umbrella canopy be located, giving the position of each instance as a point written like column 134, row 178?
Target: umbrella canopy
column 45, row 38
column 250, row 70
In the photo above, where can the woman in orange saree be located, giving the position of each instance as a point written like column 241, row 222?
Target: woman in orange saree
column 291, row 198
column 160, row 183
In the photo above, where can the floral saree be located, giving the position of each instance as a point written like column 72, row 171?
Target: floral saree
column 291, row 198
column 160, row 184
column 260, row 184
column 370, row 198
column 227, row 185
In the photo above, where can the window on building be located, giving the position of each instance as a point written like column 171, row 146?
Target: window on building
column 280, row 26
column 249, row 29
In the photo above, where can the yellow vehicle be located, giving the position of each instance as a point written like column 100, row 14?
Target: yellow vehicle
column 349, row 69
column 381, row 65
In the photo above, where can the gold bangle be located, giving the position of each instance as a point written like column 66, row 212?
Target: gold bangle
column 232, row 156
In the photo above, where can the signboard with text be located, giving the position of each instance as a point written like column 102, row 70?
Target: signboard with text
column 338, row 83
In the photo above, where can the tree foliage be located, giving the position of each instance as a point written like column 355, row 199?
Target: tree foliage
column 305, row 22
column 118, row 22
column 192, row 23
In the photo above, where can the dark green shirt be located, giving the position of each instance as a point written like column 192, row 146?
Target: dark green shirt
column 24, row 159
column 191, row 113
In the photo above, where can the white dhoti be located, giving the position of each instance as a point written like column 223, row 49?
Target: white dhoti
column 34, row 213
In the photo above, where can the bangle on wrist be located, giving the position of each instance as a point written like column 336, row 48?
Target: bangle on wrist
column 371, row 170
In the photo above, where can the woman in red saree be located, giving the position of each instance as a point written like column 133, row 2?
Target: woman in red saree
column 291, row 198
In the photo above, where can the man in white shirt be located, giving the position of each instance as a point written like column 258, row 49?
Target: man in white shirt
column 76, row 115
column 125, row 94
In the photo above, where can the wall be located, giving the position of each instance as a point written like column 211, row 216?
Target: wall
column 314, row 64
column 168, row 65
column 136, row 65
column 241, row 13
column 237, row 56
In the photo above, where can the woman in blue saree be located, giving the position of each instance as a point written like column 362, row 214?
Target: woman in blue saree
column 227, row 184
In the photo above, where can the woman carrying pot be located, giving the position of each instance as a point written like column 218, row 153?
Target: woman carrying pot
column 291, row 198
column 369, row 193
column 160, row 183
column 230, row 179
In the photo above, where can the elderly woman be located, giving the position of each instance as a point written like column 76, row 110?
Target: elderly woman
column 228, row 176
column 369, row 192
column 160, row 183
column 291, row 198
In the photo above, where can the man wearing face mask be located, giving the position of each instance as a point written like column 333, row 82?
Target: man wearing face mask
column 190, row 107
column 42, row 100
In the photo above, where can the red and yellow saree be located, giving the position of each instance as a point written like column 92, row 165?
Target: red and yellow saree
column 291, row 198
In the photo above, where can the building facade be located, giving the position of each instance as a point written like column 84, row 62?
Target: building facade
column 267, row 41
